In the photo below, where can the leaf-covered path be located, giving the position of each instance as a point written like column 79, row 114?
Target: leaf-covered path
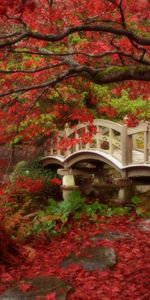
column 128, row 279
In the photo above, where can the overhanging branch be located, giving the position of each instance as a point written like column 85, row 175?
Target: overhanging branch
column 141, row 40
column 98, row 76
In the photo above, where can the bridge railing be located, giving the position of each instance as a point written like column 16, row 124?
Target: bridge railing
column 139, row 142
column 118, row 140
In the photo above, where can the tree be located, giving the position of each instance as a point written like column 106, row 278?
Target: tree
column 46, row 43
column 51, row 51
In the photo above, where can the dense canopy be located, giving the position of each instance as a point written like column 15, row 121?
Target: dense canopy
column 53, row 50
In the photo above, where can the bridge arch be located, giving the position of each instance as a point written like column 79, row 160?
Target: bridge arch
column 51, row 161
column 138, row 171
column 92, row 156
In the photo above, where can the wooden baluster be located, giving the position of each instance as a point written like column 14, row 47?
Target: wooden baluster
column 51, row 147
column 129, row 148
column 77, row 146
column 57, row 146
column 145, row 146
column 66, row 134
column 81, row 143
column 100, row 136
column 124, row 145
column 97, row 137
column 110, row 140
column 134, row 139
column 87, row 145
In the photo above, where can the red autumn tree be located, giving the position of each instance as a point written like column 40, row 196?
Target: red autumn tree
column 49, row 48
column 50, row 51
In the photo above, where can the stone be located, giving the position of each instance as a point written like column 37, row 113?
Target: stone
column 144, row 225
column 97, row 258
column 109, row 235
column 124, row 194
column 41, row 287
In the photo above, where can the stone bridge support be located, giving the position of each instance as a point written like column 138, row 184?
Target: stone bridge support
column 125, row 190
column 124, row 185
column 68, row 182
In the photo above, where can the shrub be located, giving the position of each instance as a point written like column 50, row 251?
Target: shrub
column 34, row 180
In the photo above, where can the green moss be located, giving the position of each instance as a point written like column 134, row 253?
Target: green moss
column 109, row 74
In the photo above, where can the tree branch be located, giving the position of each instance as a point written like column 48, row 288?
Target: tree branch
column 73, row 29
column 31, row 71
column 101, row 55
column 99, row 76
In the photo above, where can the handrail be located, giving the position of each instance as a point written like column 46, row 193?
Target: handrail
column 118, row 139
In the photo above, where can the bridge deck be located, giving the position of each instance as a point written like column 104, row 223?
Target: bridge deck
column 137, row 157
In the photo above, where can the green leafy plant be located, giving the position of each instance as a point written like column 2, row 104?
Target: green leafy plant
column 57, row 212
column 135, row 201
column 121, row 211
column 103, row 209
column 94, row 208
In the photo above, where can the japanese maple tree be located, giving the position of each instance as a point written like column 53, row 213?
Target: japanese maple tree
column 48, row 45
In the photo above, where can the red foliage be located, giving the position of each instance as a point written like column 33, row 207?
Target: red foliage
column 108, row 111
column 25, row 287
column 131, row 120
column 129, row 279
column 55, row 181
column 28, row 185
column 31, row 73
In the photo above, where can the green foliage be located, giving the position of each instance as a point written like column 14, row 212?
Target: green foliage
column 74, row 206
column 33, row 170
column 34, row 180
column 95, row 208
column 125, row 106
column 64, row 208
column 120, row 211
column 104, row 210
column 122, row 104
column 57, row 211
column 135, row 201
column 46, row 226
column 44, row 120
column 75, row 39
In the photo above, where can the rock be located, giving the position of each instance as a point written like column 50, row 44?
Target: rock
column 110, row 236
column 91, row 259
column 40, row 287
column 144, row 225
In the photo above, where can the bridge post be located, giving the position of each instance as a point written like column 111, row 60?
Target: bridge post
column 146, row 146
column 129, row 149
column 125, row 190
column 124, row 144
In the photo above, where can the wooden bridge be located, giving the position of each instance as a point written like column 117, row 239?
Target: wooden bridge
column 125, row 149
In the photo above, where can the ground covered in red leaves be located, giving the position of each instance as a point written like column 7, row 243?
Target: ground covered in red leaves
column 129, row 279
